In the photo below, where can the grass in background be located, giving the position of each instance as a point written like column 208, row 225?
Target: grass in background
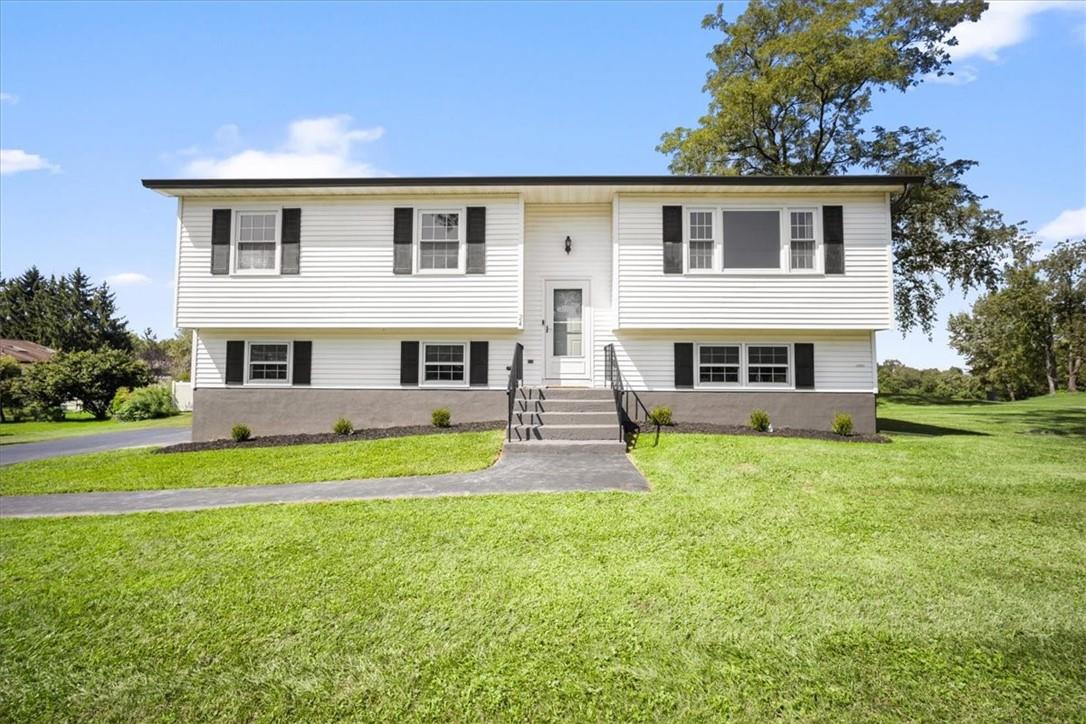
column 80, row 423
column 143, row 469
column 939, row 577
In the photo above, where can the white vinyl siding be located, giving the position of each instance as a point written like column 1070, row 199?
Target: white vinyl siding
column 346, row 278
column 860, row 299
column 363, row 359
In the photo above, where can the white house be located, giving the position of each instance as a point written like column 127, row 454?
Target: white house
column 380, row 299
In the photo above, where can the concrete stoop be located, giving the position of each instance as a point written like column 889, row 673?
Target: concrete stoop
column 565, row 415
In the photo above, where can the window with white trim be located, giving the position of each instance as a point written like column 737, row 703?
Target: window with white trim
column 268, row 362
column 802, row 239
column 444, row 364
column 439, row 241
column 767, row 364
column 718, row 364
column 700, row 240
column 257, row 242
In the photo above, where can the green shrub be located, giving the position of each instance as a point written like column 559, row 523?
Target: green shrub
column 759, row 420
column 441, row 417
column 147, row 403
column 240, row 433
column 343, row 426
column 90, row 377
column 660, row 415
column 119, row 398
column 842, row 423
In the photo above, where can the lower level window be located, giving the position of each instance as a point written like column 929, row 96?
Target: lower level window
column 767, row 364
column 443, row 363
column 718, row 364
column 268, row 361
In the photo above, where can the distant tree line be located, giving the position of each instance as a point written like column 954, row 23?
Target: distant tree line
column 1029, row 336
column 897, row 378
column 96, row 353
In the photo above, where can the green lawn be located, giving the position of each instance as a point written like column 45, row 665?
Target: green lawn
column 142, row 469
column 942, row 576
column 79, row 423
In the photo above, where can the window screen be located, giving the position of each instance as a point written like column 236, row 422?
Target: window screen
column 752, row 239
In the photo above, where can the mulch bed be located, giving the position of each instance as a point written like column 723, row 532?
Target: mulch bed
column 373, row 433
column 713, row 429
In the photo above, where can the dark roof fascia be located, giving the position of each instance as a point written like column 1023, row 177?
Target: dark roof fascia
column 453, row 181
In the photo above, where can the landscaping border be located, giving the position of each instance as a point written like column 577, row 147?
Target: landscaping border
column 321, row 438
column 716, row 429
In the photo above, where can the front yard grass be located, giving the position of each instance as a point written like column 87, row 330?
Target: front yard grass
column 80, row 423
column 939, row 577
column 143, row 469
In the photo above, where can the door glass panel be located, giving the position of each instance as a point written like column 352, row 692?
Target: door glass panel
column 567, row 323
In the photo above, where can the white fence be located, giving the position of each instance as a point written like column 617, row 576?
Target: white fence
column 182, row 395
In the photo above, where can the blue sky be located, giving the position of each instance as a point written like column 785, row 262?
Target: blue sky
column 97, row 96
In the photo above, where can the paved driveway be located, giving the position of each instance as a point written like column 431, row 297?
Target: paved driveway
column 521, row 472
column 93, row 443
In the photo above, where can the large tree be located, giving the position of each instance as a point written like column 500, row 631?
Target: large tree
column 65, row 313
column 791, row 85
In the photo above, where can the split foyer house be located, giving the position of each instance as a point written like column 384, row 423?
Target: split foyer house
column 380, row 299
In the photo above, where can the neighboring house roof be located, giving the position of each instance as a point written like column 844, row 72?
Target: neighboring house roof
column 541, row 188
column 25, row 352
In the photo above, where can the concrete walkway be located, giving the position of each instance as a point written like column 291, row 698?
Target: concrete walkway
column 79, row 444
column 520, row 472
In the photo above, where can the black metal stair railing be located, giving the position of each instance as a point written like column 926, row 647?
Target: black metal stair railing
column 631, row 410
column 516, row 378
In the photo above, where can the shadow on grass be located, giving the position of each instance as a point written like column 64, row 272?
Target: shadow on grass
column 906, row 427
column 925, row 400
column 1065, row 423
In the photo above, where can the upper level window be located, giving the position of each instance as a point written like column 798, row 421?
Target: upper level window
column 257, row 241
column 752, row 239
column 439, row 240
column 718, row 364
column 268, row 361
column 443, row 363
column 802, row 240
column 700, row 246
column 767, row 364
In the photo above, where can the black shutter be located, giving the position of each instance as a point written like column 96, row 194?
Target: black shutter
column 673, row 240
column 684, row 364
column 235, row 363
column 402, row 238
column 409, row 363
column 833, row 239
column 476, row 259
column 303, row 363
column 480, row 363
column 220, row 241
column 804, row 366
column 291, row 241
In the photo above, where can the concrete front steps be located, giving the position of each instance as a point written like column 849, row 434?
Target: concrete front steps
column 565, row 414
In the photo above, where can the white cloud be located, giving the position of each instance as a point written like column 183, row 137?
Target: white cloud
column 14, row 160
column 1003, row 24
column 1070, row 224
column 128, row 279
column 315, row 147
column 9, row 98
column 964, row 74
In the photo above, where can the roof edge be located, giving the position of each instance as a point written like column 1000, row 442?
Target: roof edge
column 453, row 181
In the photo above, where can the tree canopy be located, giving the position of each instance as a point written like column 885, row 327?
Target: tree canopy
column 65, row 313
column 791, row 84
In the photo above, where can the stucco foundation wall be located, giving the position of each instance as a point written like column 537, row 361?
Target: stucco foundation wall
column 297, row 409
column 807, row 410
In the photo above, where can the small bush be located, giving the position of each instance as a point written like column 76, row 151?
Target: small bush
column 441, row 417
column 842, row 423
column 147, row 403
column 45, row 413
column 759, row 420
column 660, row 415
column 119, row 398
column 343, row 426
column 240, row 433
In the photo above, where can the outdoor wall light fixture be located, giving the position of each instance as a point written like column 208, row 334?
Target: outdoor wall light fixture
column 569, row 245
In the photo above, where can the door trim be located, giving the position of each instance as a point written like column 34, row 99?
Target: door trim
column 585, row 283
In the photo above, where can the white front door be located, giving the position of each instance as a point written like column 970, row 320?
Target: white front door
column 568, row 332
